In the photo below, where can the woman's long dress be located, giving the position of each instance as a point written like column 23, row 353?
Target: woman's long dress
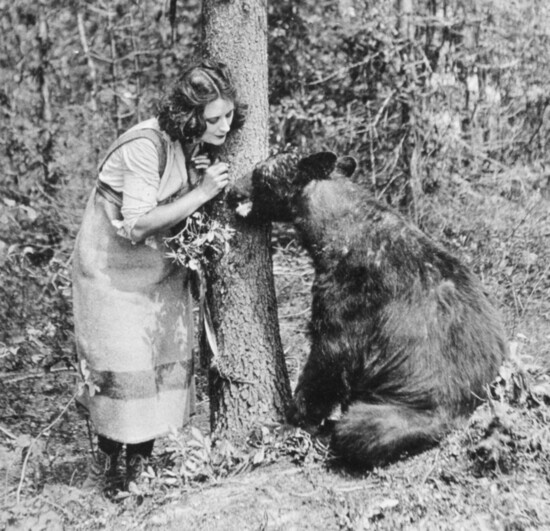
column 132, row 306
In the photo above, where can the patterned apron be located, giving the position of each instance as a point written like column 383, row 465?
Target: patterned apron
column 133, row 328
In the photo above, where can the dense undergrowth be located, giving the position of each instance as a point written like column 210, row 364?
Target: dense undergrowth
column 495, row 467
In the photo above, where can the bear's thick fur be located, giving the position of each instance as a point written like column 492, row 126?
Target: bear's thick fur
column 403, row 336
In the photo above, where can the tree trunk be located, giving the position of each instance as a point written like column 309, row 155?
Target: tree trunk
column 405, row 28
column 92, row 71
column 405, row 12
column 44, row 45
column 114, row 73
column 248, row 379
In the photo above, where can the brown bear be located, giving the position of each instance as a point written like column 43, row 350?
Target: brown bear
column 403, row 336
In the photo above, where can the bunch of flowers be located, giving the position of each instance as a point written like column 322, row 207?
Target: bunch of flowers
column 200, row 240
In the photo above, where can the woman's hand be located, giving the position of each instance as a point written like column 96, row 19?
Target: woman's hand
column 201, row 162
column 215, row 176
column 214, row 179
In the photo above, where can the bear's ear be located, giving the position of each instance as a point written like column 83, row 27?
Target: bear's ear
column 346, row 166
column 318, row 166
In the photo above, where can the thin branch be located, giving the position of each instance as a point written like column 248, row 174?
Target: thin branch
column 89, row 59
column 29, row 449
column 8, row 433
column 432, row 467
column 297, row 314
column 537, row 283
column 103, row 12
column 29, row 376
column 339, row 72
column 100, row 58
column 172, row 15
column 114, row 73
column 137, row 70
column 44, row 48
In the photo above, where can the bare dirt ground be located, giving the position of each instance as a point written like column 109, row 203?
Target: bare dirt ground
column 491, row 474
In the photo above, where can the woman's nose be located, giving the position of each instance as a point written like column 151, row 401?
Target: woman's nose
column 225, row 125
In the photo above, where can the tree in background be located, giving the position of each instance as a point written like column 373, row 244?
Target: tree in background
column 468, row 76
column 73, row 74
column 248, row 377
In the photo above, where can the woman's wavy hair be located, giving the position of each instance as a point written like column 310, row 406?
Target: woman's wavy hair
column 181, row 116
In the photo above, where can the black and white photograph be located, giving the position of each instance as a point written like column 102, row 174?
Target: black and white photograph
column 274, row 265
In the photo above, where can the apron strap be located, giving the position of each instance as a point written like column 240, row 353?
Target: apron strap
column 152, row 134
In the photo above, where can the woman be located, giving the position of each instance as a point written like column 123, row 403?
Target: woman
column 132, row 306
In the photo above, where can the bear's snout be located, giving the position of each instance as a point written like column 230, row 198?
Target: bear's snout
column 239, row 196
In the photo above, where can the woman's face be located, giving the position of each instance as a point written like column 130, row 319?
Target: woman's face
column 218, row 116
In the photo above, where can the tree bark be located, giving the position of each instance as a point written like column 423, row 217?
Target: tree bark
column 405, row 28
column 114, row 73
column 44, row 44
column 248, row 381
column 91, row 65
column 405, row 12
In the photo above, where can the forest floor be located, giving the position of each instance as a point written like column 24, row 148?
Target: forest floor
column 493, row 473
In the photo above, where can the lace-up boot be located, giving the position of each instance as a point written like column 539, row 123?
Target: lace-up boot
column 102, row 472
column 135, row 466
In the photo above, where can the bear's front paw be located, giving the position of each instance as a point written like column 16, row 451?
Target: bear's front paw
column 296, row 413
column 299, row 414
